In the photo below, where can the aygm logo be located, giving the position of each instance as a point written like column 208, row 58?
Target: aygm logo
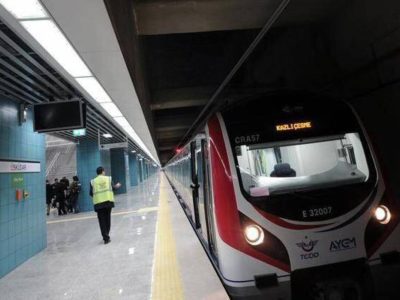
column 308, row 247
column 343, row 244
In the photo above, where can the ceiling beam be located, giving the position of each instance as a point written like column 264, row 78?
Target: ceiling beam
column 181, row 16
column 165, row 127
column 181, row 97
column 168, row 147
column 181, row 103
column 168, row 17
column 171, row 134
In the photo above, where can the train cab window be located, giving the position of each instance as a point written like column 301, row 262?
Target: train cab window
column 288, row 166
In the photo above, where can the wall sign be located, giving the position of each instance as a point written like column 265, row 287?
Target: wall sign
column 79, row 132
column 17, row 180
column 113, row 146
column 11, row 166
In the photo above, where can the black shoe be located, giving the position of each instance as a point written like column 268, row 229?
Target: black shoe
column 107, row 241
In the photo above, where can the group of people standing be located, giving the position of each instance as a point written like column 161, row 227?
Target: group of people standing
column 63, row 195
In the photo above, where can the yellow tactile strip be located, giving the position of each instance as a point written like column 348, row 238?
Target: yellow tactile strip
column 139, row 211
column 167, row 282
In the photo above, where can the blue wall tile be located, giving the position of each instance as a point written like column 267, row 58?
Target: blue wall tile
column 89, row 158
column 20, row 143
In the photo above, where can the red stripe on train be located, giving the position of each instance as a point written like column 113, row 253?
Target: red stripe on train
column 227, row 215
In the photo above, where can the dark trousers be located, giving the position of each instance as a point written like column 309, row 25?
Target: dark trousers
column 104, row 216
column 48, row 207
column 61, row 207
column 74, row 202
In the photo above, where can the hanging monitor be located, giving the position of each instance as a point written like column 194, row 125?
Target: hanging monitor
column 59, row 116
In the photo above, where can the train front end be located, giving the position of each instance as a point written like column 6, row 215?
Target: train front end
column 301, row 208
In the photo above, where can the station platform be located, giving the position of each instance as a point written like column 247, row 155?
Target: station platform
column 153, row 254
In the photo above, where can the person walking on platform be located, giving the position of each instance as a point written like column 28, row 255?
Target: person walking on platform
column 67, row 193
column 59, row 190
column 49, row 196
column 102, row 192
column 53, row 196
column 74, row 194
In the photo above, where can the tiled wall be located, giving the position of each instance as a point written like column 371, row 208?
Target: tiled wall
column 23, row 231
column 133, row 169
column 89, row 157
column 118, row 169
column 140, row 170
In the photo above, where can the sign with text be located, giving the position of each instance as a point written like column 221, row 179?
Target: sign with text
column 113, row 146
column 79, row 132
column 294, row 126
column 7, row 166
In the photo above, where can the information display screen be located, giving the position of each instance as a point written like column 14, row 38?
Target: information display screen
column 58, row 116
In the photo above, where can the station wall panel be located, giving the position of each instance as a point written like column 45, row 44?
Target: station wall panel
column 23, row 231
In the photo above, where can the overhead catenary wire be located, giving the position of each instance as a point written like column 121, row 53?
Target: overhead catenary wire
column 207, row 110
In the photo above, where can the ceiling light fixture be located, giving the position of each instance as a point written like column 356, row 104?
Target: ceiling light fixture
column 25, row 9
column 122, row 122
column 111, row 109
column 94, row 89
column 55, row 43
column 107, row 135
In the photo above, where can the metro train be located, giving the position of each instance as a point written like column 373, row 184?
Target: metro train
column 287, row 197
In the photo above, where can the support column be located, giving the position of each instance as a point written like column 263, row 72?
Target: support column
column 118, row 169
column 127, row 171
column 140, row 169
column 133, row 169
column 89, row 158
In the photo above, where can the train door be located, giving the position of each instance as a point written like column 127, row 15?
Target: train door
column 200, row 177
column 195, row 184
column 203, row 215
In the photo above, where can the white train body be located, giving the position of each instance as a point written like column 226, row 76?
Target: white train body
column 288, row 199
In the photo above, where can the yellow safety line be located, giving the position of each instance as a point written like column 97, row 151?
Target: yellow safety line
column 167, row 281
column 141, row 210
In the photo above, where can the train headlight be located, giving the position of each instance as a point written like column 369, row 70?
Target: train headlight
column 382, row 214
column 254, row 234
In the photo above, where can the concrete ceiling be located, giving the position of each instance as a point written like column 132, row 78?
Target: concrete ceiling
column 179, row 52
column 155, row 17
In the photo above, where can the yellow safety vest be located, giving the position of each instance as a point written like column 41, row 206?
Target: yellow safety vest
column 102, row 189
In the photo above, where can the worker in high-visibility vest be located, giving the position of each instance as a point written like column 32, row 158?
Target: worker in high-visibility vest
column 102, row 192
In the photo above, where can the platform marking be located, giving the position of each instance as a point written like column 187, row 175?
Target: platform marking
column 167, row 281
column 141, row 210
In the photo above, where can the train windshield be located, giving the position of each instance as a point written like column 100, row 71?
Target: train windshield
column 297, row 165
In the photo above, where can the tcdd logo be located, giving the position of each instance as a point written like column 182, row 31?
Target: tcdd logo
column 308, row 247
